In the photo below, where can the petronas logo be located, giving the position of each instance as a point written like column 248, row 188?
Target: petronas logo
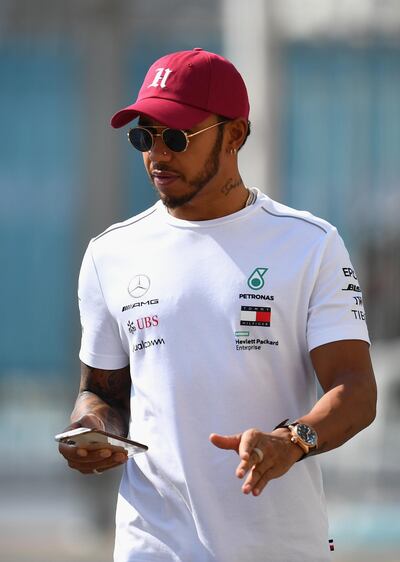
column 256, row 279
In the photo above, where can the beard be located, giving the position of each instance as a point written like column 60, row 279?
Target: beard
column 211, row 168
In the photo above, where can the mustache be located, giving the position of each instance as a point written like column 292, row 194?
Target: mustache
column 163, row 168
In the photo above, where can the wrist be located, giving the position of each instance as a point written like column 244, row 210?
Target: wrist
column 294, row 451
column 302, row 435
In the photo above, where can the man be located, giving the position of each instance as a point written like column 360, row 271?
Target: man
column 205, row 319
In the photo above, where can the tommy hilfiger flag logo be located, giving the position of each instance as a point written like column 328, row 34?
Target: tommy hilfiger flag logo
column 255, row 316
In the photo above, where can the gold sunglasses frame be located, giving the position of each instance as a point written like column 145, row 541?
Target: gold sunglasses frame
column 188, row 136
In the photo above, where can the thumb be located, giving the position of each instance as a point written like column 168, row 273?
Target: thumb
column 91, row 421
column 226, row 441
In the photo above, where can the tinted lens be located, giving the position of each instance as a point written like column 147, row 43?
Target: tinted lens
column 141, row 139
column 174, row 139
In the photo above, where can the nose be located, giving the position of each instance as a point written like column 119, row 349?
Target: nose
column 159, row 151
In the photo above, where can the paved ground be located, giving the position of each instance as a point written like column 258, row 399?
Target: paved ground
column 51, row 522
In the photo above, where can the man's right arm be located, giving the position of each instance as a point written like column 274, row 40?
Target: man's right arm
column 103, row 403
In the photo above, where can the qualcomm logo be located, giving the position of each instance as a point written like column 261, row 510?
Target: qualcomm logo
column 139, row 285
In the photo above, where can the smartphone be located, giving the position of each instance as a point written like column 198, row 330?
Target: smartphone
column 92, row 439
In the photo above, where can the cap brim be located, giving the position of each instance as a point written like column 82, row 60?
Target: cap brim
column 167, row 112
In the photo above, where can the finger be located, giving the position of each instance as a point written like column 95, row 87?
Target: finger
column 262, row 482
column 71, row 452
column 92, row 421
column 257, row 473
column 86, row 455
column 248, row 442
column 225, row 441
column 246, row 451
column 103, row 454
column 87, row 468
column 73, row 425
column 253, row 476
column 106, row 455
column 81, row 452
column 247, row 462
column 120, row 457
column 242, row 468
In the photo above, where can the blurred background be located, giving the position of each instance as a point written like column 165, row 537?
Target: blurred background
column 324, row 84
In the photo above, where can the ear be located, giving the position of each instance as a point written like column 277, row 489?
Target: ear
column 236, row 133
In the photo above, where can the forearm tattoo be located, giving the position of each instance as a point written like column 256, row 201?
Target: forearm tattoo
column 106, row 394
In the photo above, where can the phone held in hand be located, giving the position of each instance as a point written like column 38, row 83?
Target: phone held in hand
column 93, row 439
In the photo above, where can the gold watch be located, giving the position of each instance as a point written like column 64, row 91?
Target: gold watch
column 304, row 436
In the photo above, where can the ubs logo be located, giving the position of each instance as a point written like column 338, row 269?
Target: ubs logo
column 142, row 323
column 139, row 285
column 147, row 322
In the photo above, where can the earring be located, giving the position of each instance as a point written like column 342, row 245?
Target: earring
column 165, row 153
column 233, row 151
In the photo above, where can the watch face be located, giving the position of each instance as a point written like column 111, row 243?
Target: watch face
column 307, row 434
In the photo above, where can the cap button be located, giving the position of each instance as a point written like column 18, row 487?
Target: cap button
column 198, row 49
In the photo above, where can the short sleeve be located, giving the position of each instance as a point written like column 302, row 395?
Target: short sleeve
column 101, row 345
column 336, row 310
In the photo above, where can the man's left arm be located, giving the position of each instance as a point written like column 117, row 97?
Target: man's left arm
column 347, row 406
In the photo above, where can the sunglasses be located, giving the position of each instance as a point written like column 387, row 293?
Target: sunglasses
column 177, row 140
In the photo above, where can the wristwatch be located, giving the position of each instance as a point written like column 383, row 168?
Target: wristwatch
column 304, row 436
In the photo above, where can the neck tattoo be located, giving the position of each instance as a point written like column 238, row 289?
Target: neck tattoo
column 231, row 184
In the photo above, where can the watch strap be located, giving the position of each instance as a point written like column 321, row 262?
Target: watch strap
column 284, row 423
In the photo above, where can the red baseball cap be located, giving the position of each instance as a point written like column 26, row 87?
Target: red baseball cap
column 184, row 88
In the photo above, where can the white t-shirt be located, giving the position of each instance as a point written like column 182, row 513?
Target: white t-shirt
column 217, row 319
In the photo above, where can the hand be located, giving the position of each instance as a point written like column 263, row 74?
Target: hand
column 278, row 452
column 85, row 460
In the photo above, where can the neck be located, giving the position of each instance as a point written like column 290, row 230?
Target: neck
column 214, row 202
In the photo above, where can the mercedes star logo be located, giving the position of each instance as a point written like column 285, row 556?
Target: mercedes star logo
column 138, row 286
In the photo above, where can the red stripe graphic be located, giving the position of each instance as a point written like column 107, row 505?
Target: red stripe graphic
column 263, row 316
